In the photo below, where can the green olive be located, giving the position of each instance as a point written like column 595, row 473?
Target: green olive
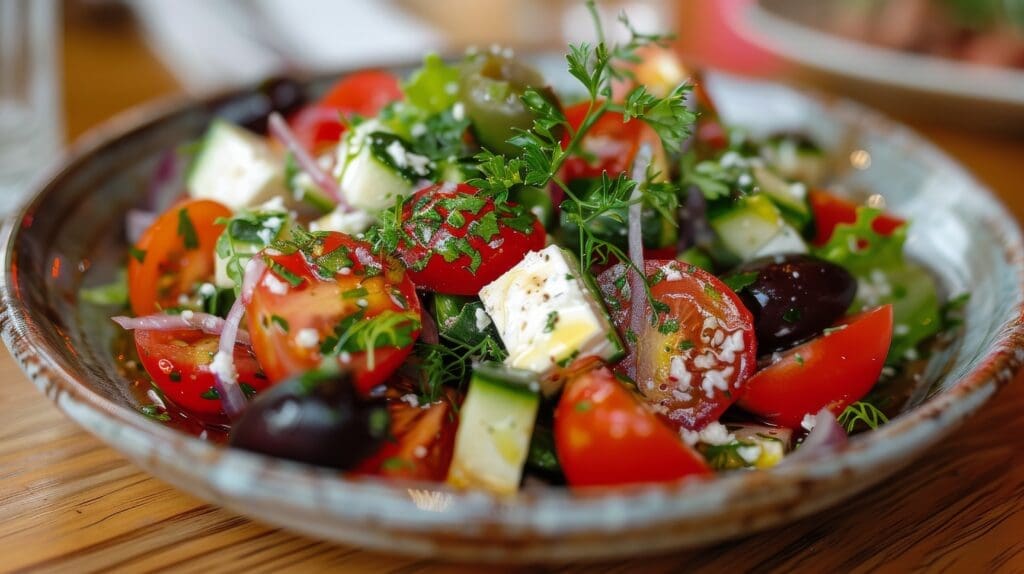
column 490, row 87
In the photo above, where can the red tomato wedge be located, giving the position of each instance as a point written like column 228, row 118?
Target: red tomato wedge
column 330, row 288
column 175, row 253
column 363, row 93
column 832, row 371
column 605, row 436
column 694, row 363
column 830, row 210
column 456, row 241
column 609, row 146
column 179, row 363
column 423, row 437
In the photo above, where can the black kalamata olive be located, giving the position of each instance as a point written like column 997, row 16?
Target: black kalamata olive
column 316, row 418
column 793, row 297
column 282, row 95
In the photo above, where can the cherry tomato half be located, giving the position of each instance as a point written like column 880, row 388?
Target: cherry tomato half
column 456, row 241
column 610, row 145
column 179, row 363
column 175, row 253
column 327, row 289
column 423, row 437
column 830, row 210
column 832, row 371
column 605, row 436
column 363, row 93
column 694, row 362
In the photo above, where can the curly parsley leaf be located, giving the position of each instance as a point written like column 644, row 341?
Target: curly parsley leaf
column 864, row 413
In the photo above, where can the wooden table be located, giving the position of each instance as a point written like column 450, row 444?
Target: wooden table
column 69, row 503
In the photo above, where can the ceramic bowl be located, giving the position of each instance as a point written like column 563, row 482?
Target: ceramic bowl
column 73, row 232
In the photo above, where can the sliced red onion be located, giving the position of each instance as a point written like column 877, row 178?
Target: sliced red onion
column 638, row 303
column 223, row 366
column 165, row 183
column 204, row 322
column 826, row 437
column 279, row 128
column 137, row 222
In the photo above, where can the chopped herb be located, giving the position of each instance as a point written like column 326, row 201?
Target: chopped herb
column 186, row 230
column 175, row 376
column 247, row 390
column 396, row 463
column 792, row 315
column 711, row 292
column 583, row 406
column 740, row 281
column 552, row 319
column 388, row 329
column 668, row 326
column 155, row 412
column 137, row 254
column 864, row 413
column 280, row 322
column 282, row 272
column 355, row 293
column 685, row 345
column 210, row 394
column 799, row 359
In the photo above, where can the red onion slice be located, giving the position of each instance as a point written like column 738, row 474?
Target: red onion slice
column 223, row 366
column 137, row 222
column 204, row 322
column 825, row 438
column 279, row 128
column 638, row 302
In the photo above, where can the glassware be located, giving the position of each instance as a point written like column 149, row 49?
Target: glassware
column 31, row 132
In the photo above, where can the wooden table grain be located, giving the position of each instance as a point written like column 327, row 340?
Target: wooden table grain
column 69, row 503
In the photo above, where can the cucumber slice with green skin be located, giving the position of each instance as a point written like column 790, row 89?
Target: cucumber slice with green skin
column 791, row 198
column 236, row 168
column 796, row 157
column 375, row 168
column 747, row 226
column 304, row 190
column 495, row 427
column 463, row 319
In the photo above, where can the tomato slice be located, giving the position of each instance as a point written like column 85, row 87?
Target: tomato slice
column 693, row 364
column 175, row 253
column 830, row 210
column 423, row 436
column 832, row 371
column 363, row 93
column 605, row 436
column 179, row 363
column 456, row 242
column 332, row 286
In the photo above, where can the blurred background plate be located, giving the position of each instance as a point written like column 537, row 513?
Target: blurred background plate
column 908, row 83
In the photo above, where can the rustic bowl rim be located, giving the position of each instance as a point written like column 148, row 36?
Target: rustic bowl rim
column 589, row 512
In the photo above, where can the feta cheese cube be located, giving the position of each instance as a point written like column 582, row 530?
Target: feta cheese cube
column 236, row 168
column 546, row 314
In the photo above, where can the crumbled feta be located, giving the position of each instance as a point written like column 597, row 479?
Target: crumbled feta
column 207, row 290
column 482, row 320
column 458, row 112
column 809, row 421
column 716, row 434
column 307, row 338
column 223, row 367
column 749, row 454
column 347, row 222
column 411, row 399
column 187, row 314
column 671, row 271
column 275, row 285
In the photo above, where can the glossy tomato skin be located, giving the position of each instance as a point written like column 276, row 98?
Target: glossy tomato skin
column 832, row 371
column 611, row 142
column 442, row 223
column 423, row 436
column 363, row 93
column 605, row 436
column 293, row 300
column 831, row 210
column 694, row 363
column 179, row 363
column 168, row 261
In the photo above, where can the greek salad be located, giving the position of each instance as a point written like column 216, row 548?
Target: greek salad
column 464, row 276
